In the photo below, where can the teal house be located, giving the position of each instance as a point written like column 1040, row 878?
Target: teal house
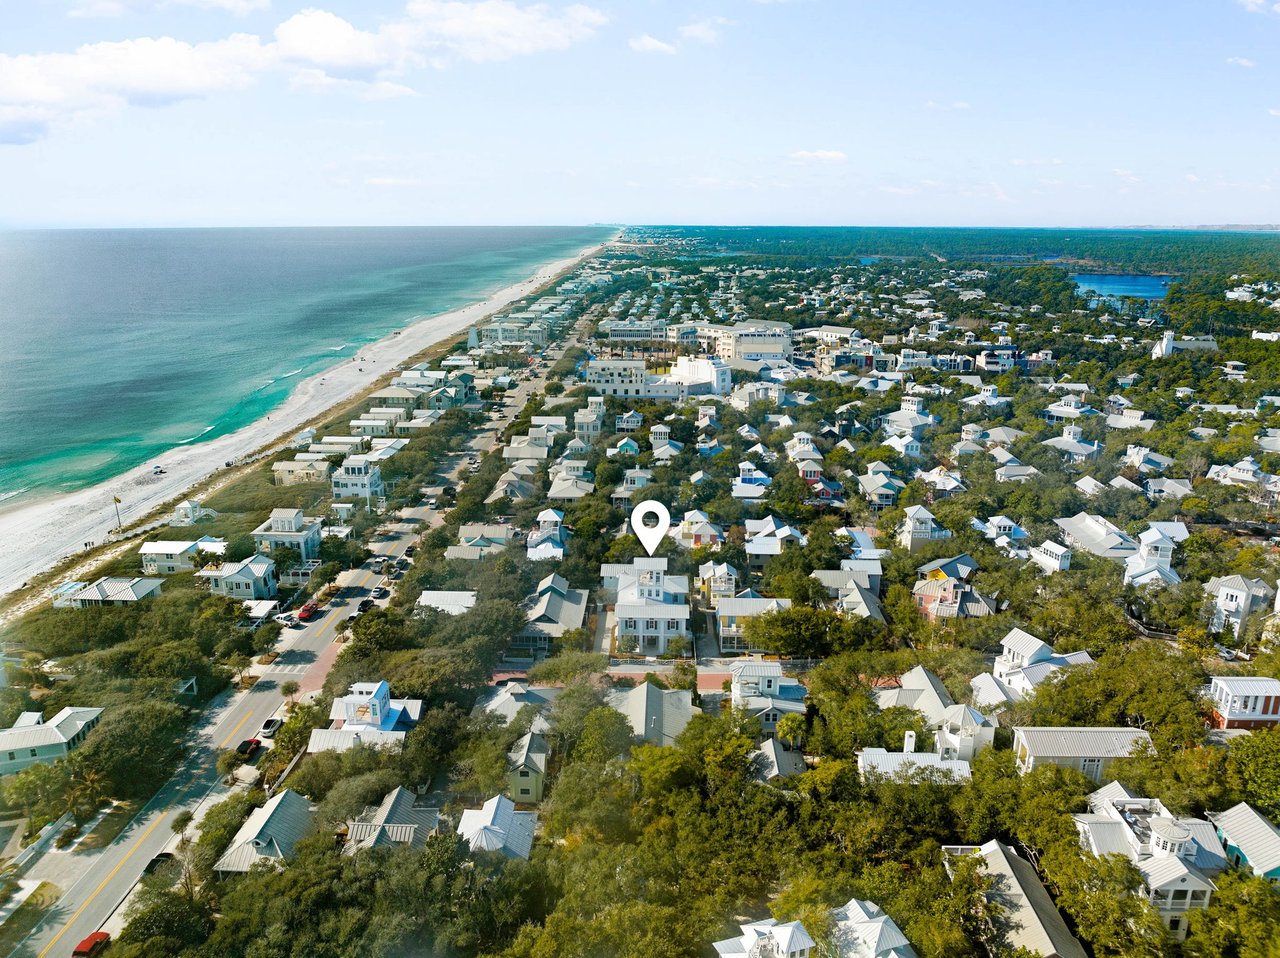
column 1250, row 840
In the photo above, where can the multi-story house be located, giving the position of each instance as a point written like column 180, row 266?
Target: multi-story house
column 1175, row 855
column 919, row 529
column 291, row 529
column 652, row 608
column 251, row 578
column 1235, row 598
column 1244, row 702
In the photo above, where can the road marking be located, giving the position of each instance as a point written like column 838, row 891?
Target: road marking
column 227, row 740
column 97, row 891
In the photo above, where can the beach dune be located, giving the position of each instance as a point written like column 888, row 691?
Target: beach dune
column 38, row 535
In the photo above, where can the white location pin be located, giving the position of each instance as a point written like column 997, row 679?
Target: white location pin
column 650, row 536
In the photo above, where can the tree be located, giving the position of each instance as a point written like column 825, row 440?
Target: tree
column 803, row 632
column 290, row 691
column 606, row 735
column 791, row 728
column 1242, row 920
column 1253, row 763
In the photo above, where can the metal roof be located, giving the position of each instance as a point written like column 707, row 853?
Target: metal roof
column 1105, row 742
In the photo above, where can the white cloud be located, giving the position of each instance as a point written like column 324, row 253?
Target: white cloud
column 1259, row 6
column 320, row 52
column 240, row 8
column 1241, row 62
column 818, row 156
column 325, row 40
column 706, row 30
column 1127, row 175
column 645, row 43
column 953, row 105
column 498, row 29
column 1038, row 161
column 900, row 190
column 1191, row 178
column 1274, row 112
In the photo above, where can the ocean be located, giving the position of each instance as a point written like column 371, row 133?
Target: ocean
column 116, row 345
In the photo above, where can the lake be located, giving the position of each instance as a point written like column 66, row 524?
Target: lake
column 1113, row 285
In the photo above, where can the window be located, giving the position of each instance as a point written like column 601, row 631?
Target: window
column 524, row 791
column 524, row 773
column 1179, row 896
column 1175, row 924
column 12, row 756
column 34, row 753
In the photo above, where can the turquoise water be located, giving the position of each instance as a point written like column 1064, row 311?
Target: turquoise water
column 1113, row 285
column 116, row 345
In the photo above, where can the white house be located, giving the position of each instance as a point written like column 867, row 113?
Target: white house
column 289, row 528
column 1023, row 663
column 165, row 556
column 1241, row 701
column 251, row 578
column 1175, row 855
column 652, row 608
column 1087, row 750
column 1235, row 598
column 358, row 478
column 366, row 715
column 919, row 529
column 32, row 740
column 497, row 827
column 764, row 692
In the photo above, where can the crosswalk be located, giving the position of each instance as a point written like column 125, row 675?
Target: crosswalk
column 295, row 669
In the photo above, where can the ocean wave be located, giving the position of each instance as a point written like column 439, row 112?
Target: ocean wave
column 337, row 348
column 183, row 442
column 287, row 375
column 13, row 495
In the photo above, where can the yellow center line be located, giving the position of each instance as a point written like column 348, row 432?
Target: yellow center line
column 227, row 740
column 97, row 891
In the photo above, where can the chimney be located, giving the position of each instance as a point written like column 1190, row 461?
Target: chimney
column 909, row 743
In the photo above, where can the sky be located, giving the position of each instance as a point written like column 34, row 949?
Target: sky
column 127, row 113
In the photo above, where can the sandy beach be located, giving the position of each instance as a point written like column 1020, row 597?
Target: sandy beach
column 38, row 535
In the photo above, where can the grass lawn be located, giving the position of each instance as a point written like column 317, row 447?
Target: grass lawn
column 110, row 827
column 28, row 914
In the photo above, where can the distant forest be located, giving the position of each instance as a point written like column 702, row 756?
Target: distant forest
column 1139, row 251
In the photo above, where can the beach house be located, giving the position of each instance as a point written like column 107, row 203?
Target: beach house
column 32, row 740
column 289, row 528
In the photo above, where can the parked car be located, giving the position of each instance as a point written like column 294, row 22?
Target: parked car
column 248, row 748
column 92, row 946
column 380, row 593
column 411, row 550
column 307, row 612
column 431, row 503
column 365, row 605
column 270, row 727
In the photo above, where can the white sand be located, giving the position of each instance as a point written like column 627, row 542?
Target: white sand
column 38, row 535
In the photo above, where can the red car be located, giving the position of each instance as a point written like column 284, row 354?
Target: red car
column 307, row 612
column 92, row 946
column 248, row 748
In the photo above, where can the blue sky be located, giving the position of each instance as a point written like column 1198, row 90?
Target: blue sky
column 898, row 112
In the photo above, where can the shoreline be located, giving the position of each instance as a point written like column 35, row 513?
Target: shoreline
column 53, row 529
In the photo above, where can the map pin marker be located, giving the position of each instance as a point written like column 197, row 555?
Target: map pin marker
column 650, row 536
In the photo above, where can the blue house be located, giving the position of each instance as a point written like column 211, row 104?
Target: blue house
column 1250, row 840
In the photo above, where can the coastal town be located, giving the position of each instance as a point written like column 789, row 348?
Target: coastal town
column 963, row 637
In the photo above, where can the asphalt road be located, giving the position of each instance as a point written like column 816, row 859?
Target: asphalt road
column 95, row 882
